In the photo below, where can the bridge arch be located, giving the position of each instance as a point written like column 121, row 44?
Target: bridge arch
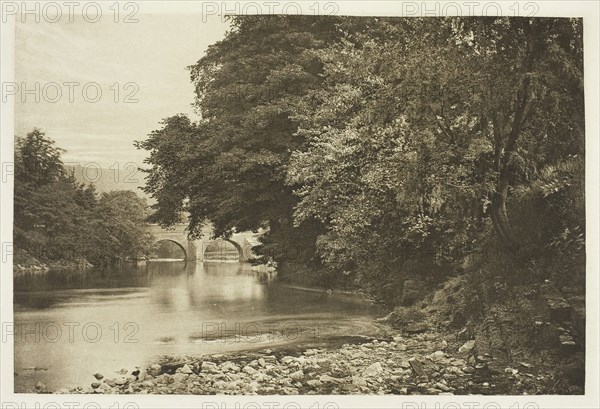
column 185, row 251
column 210, row 246
column 238, row 248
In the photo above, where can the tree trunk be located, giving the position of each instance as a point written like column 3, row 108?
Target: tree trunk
column 499, row 215
column 498, row 212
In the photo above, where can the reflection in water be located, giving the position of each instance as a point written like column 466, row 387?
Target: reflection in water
column 126, row 316
column 221, row 250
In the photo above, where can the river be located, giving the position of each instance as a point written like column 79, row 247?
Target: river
column 70, row 325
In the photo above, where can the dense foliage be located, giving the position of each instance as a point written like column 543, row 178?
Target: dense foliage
column 378, row 148
column 58, row 219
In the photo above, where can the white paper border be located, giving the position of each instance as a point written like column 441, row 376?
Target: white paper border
column 589, row 10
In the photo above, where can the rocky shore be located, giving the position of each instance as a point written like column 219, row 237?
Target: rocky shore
column 406, row 364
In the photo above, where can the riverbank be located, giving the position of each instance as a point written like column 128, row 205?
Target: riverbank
column 404, row 364
column 25, row 263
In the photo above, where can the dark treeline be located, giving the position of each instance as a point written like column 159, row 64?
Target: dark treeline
column 363, row 144
column 65, row 223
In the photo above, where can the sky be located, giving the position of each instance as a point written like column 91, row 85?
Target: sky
column 145, row 61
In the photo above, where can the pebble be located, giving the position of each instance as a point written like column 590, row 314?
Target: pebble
column 269, row 359
column 442, row 387
column 297, row 375
column 249, row 370
column 467, row 347
column 286, row 360
column 230, row 367
column 372, row 370
column 422, row 363
column 330, row 379
column 179, row 377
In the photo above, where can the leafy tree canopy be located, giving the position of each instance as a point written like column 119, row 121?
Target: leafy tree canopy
column 57, row 218
column 378, row 138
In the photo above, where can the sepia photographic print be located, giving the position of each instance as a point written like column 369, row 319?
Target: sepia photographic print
column 299, row 204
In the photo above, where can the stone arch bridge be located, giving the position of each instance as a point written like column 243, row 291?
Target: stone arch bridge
column 195, row 249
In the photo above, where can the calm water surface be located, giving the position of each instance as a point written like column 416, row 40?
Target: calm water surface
column 69, row 326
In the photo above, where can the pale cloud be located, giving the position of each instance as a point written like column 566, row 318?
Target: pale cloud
column 152, row 53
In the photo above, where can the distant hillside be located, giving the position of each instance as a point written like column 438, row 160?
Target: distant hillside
column 105, row 180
